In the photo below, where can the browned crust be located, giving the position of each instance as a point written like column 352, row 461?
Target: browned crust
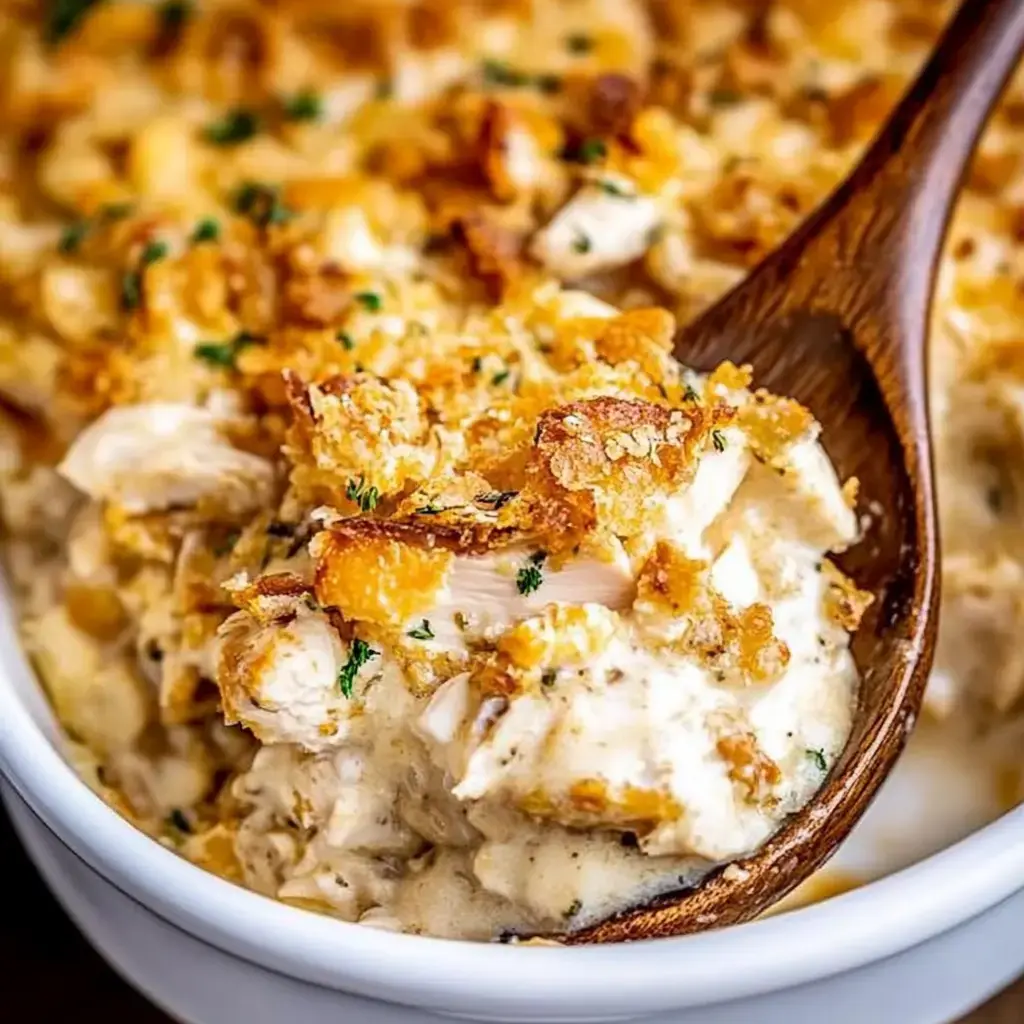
column 460, row 539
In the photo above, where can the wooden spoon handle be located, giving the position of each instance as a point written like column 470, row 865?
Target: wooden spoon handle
column 866, row 259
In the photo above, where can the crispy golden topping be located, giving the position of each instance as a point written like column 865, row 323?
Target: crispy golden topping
column 844, row 602
column 596, row 464
column 381, row 573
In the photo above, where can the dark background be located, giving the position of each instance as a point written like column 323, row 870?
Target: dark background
column 46, row 965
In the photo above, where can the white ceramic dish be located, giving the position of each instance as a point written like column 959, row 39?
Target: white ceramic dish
column 920, row 946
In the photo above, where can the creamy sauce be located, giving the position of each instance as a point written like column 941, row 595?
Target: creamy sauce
column 637, row 740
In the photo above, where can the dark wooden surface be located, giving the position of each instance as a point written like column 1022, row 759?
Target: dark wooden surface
column 47, row 965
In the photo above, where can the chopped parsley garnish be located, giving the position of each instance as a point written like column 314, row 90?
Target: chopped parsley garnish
column 262, row 204
column 225, row 353
column 346, row 340
column 496, row 499
column 578, row 43
column 153, row 252
column 174, row 14
column 723, row 97
column 422, row 632
column 477, row 364
column 818, row 757
column 592, row 150
column 131, row 280
column 548, row 84
column 64, row 16
column 497, row 72
column 529, row 578
column 131, row 289
column 207, row 230
column 73, row 236
column 116, row 211
column 365, row 497
column 359, row 654
column 613, row 188
column 581, row 244
column 689, row 395
column 500, row 377
column 370, row 301
column 548, row 677
column 178, row 820
column 235, row 126
column 227, row 545
column 574, row 908
column 429, row 510
column 718, row 440
column 303, row 106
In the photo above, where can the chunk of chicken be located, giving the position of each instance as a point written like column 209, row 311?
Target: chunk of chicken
column 394, row 575
column 158, row 456
column 628, row 741
column 600, row 228
column 281, row 680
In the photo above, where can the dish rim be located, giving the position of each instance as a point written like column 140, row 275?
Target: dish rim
column 873, row 922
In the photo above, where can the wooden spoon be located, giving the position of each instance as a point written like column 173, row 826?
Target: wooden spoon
column 838, row 318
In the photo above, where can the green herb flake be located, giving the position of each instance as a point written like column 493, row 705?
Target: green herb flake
column 613, row 188
column 477, row 364
column 548, row 677
column 497, row 72
column 153, row 253
column 227, row 545
column 262, row 204
column 225, row 354
column 548, row 84
column 581, row 244
column 718, row 440
column 429, row 510
column 131, row 290
column 73, row 236
column 591, row 151
column 422, row 632
column 574, row 908
column 178, row 820
column 496, row 499
column 63, row 17
column 303, row 106
column 359, row 654
column 346, row 340
column 367, row 498
column 818, row 758
column 529, row 578
column 234, row 127
column 370, row 301
column 500, row 377
column 116, row 211
column 690, row 395
column 207, row 230
column 174, row 14
column 723, row 97
column 579, row 43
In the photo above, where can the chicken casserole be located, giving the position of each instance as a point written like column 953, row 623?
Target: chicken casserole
column 372, row 546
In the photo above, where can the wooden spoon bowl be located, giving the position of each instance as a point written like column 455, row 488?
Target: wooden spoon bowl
column 838, row 319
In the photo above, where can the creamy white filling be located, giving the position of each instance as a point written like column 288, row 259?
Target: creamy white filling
column 654, row 724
